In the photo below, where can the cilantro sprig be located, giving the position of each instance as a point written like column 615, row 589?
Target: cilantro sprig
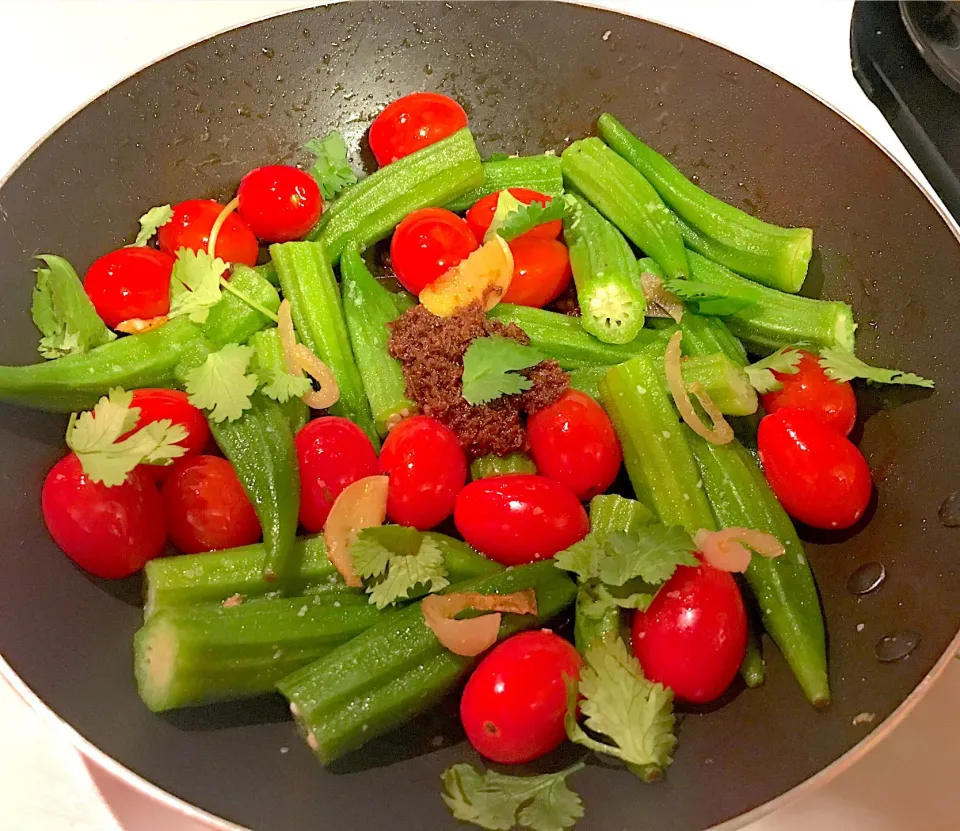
column 513, row 218
column 195, row 284
column 396, row 561
column 760, row 374
column 841, row 365
column 491, row 365
column 221, row 384
column 331, row 168
column 707, row 299
column 151, row 222
column 281, row 385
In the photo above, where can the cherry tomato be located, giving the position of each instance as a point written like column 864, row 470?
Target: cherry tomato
column 413, row 122
column 541, row 271
column 819, row 476
column 206, row 506
column 514, row 704
column 481, row 214
column 130, row 283
column 110, row 532
column 332, row 453
column 573, row 442
column 810, row 389
column 427, row 244
column 517, row 519
column 694, row 635
column 158, row 404
column 279, row 203
column 191, row 225
column 427, row 469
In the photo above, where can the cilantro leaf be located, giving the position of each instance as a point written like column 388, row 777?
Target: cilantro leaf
column 221, row 383
column 395, row 561
column 151, row 222
column 194, row 284
column 332, row 168
column 95, row 438
column 513, row 218
column 281, row 386
column 623, row 706
column 63, row 312
column 841, row 365
column 760, row 374
column 499, row 802
column 707, row 299
column 489, row 368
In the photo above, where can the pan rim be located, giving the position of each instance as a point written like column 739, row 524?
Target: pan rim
column 831, row 771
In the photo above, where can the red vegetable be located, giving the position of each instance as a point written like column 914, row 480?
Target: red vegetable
column 279, row 202
column 110, row 532
column 515, row 702
column 158, row 404
column 518, row 519
column 191, row 225
column 694, row 635
column 573, row 442
column 541, row 271
column 207, row 508
column 130, row 283
column 427, row 469
column 332, row 453
column 413, row 122
column 811, row 390
column 428, row 243
column 481, row 214
column 820, row 477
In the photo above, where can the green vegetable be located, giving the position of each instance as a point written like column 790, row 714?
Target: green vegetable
column 371, row 209
column 708, row 335
column 760, row 374
column 727, row 384
column 221, row 384
column 259, row 445
column 195, row 284
column 212, row 577
column 490, row 465
column 752, row 669
column 394, row 561
column 513, row 218
column 63, row 312
column 772, row 255
column 76, row 382
column 596, row 616
column 490, row 368
column 705, row 299
column 563, row 338
column 841, row 365
column 202, row 654
column 309, row 284
column 234, row 320
column 269, row 364
column 499, row 802
column 587, row 379
column 658, row 460
column 539, row 173
column 779, row 319
column 784, row 586
column 332, row 167
column 268, row 271
column 367, row 308
column 403, row 300
column 151, row 222
column 606, row 274
column 397, row 668
column 628, row 200
column 611, row 512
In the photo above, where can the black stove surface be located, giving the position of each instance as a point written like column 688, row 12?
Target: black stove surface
column 923, row 111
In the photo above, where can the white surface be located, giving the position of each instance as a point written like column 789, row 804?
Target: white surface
column 57, row 55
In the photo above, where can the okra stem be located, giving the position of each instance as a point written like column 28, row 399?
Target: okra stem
column 540, row 173
column 491, row 465
column 752, row 669
column 611, row 512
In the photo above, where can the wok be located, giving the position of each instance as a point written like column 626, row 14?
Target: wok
column 194, row 123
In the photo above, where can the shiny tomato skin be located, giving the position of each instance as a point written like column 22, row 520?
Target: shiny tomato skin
column 514, row 704
column 191, row 225
column 130, row 283
column 427, row 469
column 481, row 214
column 573, row 442
column 541, row 271
column 426, row 244
column 516, row 519
column 109, row 532
column 159, row 404
column 279, row 203
column 412, row 123
column 207, row 508
column 332, row 453
column 693, row 636
column 810, row 389
column 819, row 476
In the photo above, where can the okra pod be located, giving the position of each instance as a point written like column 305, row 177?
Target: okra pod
column 268, row 355
column 784, row 586
column 403, row 300
column 540, row 173
column 611, row 512
column 371, row 209
column 587, row 379
column 628, row 200
column 707, row 335
column 592, row 622
column 397, row 669
column 752, row 669
column 491, row 465
column 269, row 273
column 775, row 256
column 309, row 284
column 368, row 308
column 231, row 320
column 606, row 274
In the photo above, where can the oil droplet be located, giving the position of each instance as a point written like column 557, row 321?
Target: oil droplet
column 949, row 513
column 897, row 645
column 428, row 70
column 268, row 52
column 869, row 577
column 325, row 60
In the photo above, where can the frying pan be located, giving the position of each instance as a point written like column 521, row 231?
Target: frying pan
column 194, row 123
